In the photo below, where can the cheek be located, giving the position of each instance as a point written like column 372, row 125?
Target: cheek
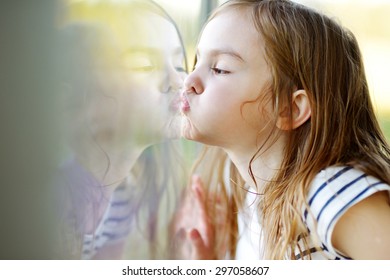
column 216, row 114
column 225, row 102
column 251, row 115
column 149, row 108
column 259, row 115
column 236, row 107
column 100, row 116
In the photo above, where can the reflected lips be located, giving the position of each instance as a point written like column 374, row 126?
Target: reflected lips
column 175, row 105
column 184, row 105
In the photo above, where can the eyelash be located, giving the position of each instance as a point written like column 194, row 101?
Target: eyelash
column 181, row 69
column 219, row 71
column 215, row 70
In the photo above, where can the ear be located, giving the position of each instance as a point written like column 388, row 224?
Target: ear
column 301, row 112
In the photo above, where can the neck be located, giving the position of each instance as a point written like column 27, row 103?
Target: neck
column 264, row 166
column 109, row 166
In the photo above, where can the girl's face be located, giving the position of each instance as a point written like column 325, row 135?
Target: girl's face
column 141, row 77
column 230, row 73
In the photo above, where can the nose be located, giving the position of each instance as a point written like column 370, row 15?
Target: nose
column 172, row 81
column 193, row 83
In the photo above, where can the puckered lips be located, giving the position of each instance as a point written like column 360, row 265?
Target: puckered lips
column 184, row 103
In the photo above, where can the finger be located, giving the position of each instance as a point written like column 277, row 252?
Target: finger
column 204, row 226
column 198, row 187
column 201, row 251
column 197, row 241
column 198, row 196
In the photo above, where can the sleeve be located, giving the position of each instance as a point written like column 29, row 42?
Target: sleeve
column 333, row 191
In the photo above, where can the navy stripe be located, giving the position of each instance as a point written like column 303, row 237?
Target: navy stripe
column 338, row 174
column 112, row 236
column 339, row 192
column 345, row 257
column 119, row 219
column 120, row 203
column 348, row 205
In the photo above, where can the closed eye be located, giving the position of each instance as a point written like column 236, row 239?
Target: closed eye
column 219, row 71
column 181, row 69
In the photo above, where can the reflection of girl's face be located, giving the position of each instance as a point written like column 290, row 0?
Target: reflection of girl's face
column 141, row 83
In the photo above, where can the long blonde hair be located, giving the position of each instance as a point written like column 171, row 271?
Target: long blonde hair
column 308, row 50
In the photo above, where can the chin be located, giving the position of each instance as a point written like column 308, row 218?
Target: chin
column 172, row 129
column 186, row 128
column 190, row 132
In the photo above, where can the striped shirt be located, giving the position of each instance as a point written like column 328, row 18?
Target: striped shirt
column 84, row 192
column 333, row 191
column 115, row 226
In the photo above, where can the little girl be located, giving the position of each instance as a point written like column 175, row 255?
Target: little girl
column 281, row 89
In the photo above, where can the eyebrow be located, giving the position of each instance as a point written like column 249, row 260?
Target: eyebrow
column 140, row 52
column 223, row 51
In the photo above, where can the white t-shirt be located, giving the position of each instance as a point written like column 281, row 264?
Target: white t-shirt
column 333, row 191
column 248, row 246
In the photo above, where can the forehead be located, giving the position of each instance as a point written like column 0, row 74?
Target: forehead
column 152, row 31
column 128, row 27
column 232, row 29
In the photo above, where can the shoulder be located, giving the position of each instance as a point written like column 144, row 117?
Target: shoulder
column 333, row 193
column 363, row 232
